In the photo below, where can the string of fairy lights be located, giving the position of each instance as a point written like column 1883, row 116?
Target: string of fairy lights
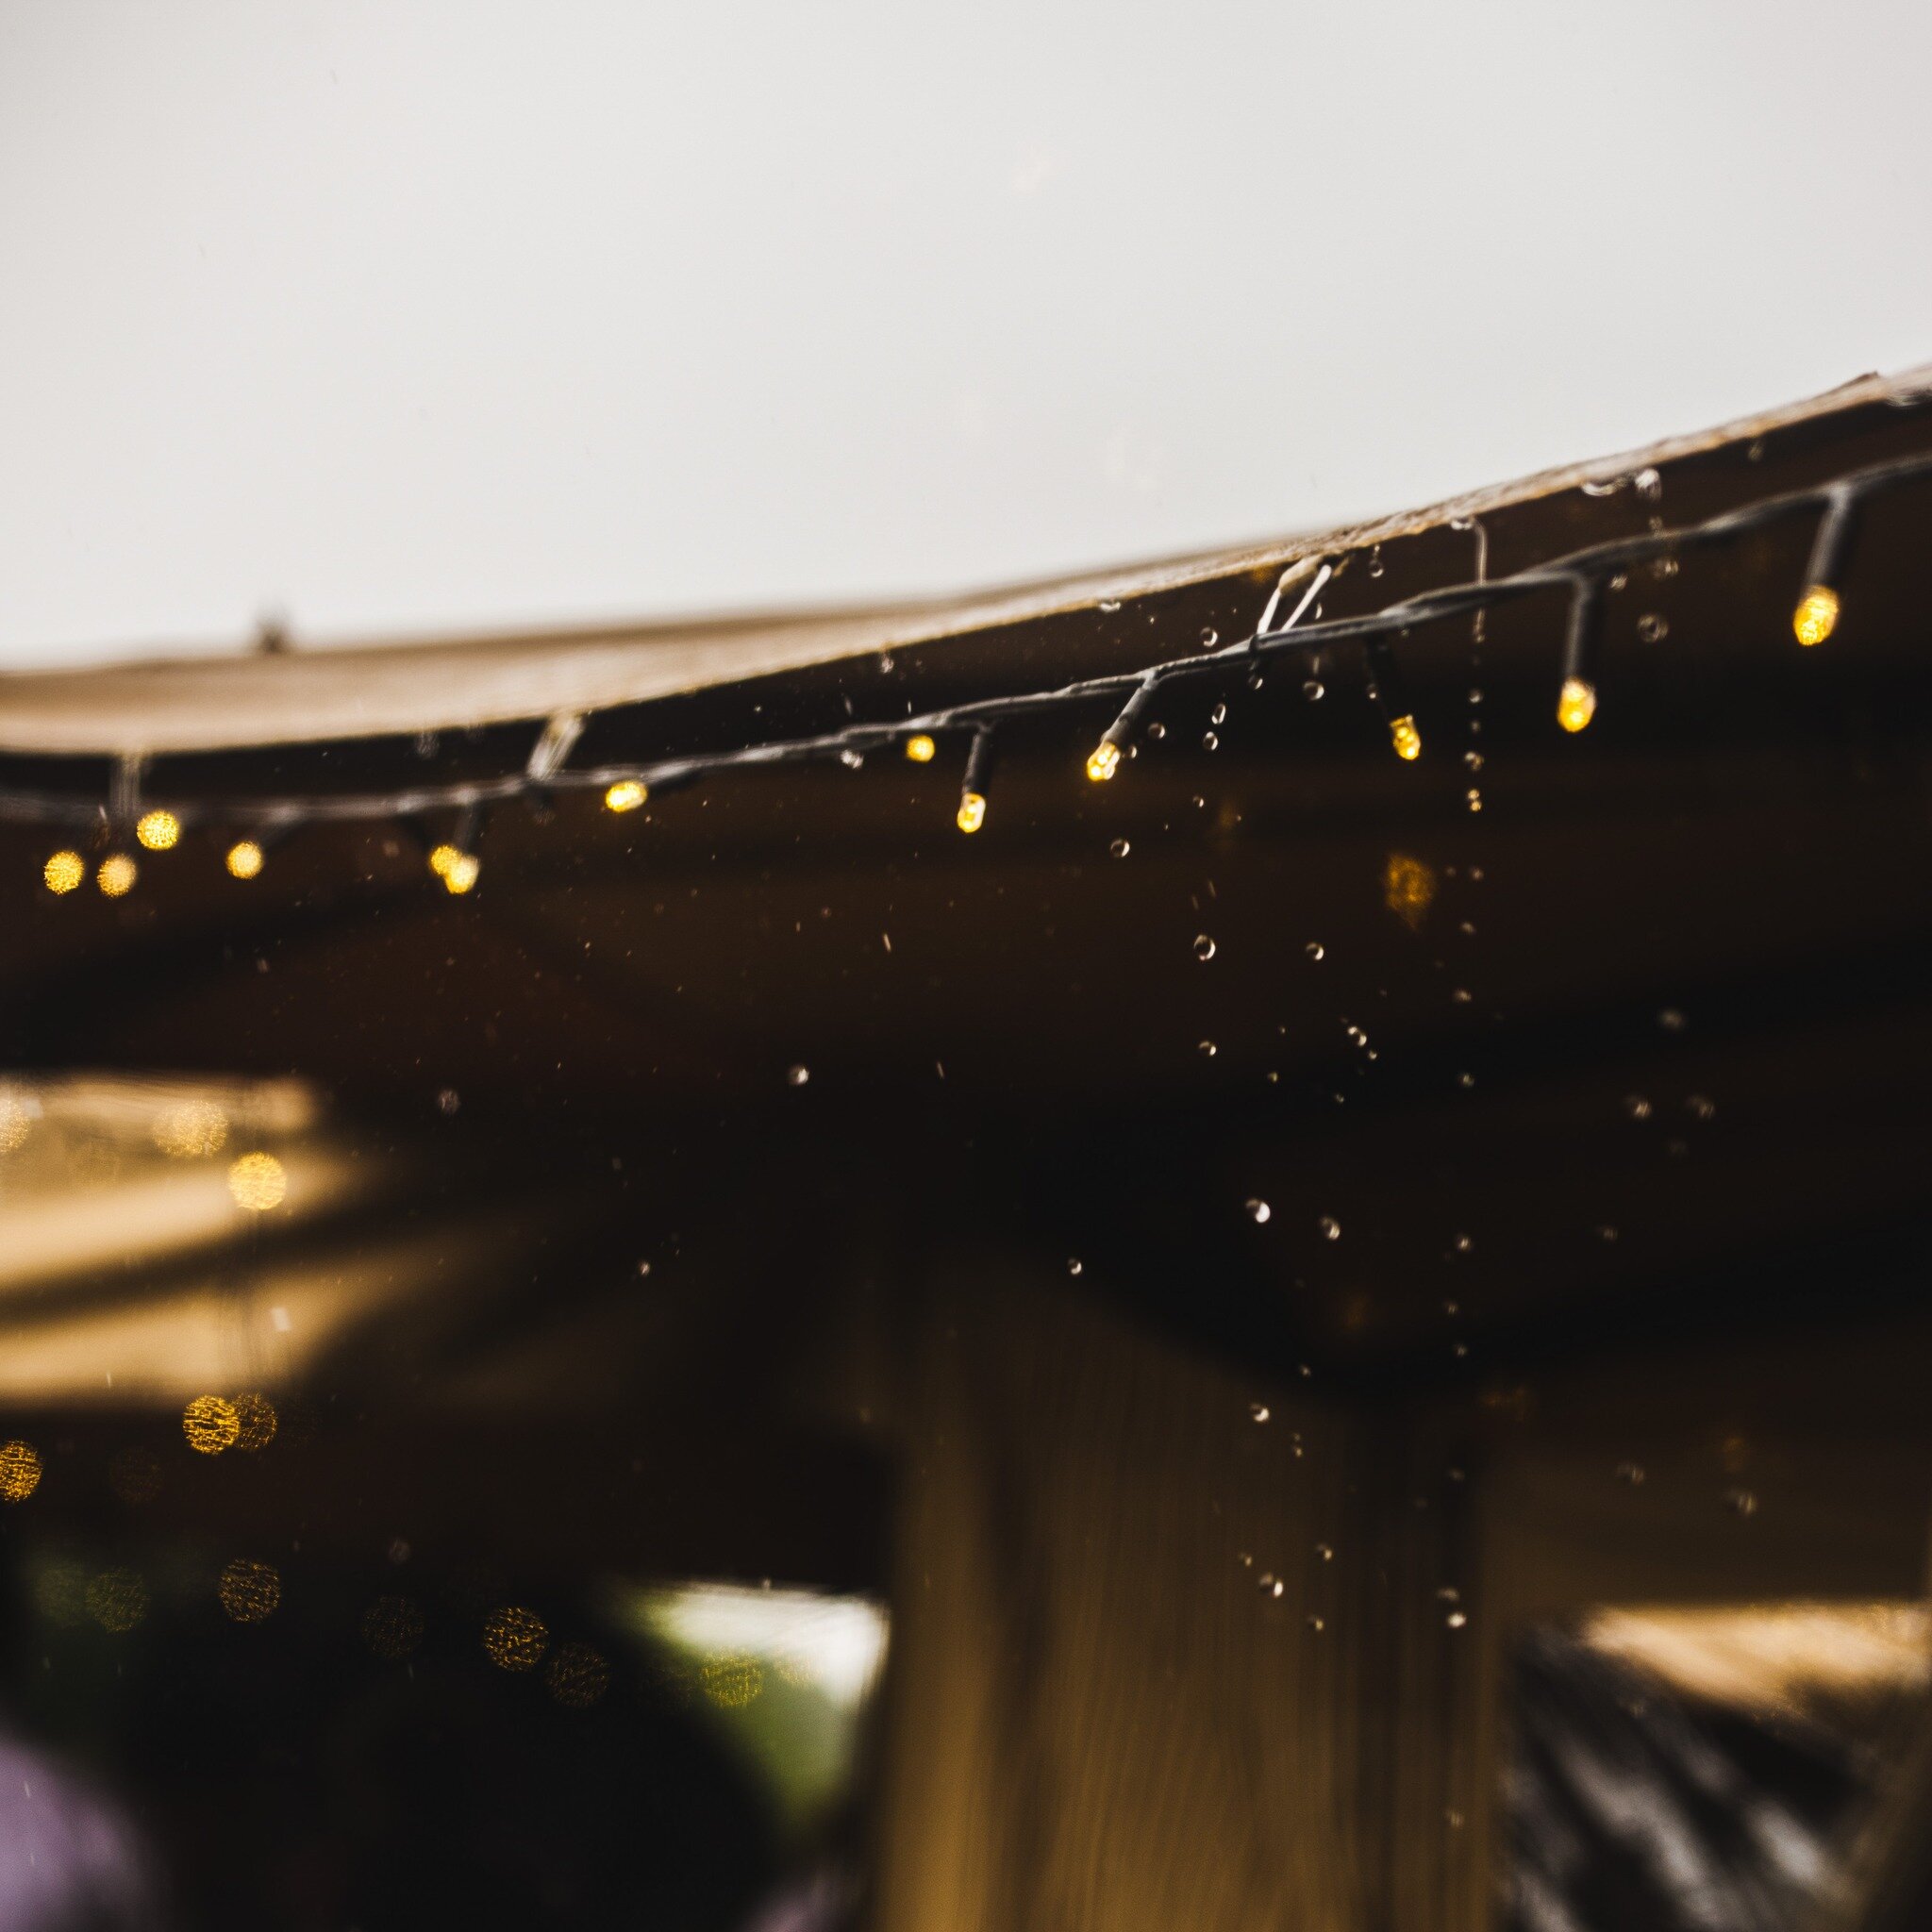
column 1580, row 577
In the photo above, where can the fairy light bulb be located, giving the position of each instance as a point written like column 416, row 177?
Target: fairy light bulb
column 1406, row 738
column 441, row 857
column 1816, row 616
column 1103, row 761
column 1576, row 704
column 63, row 872
column 627, row 795
column 117, row 874
column 243, row 859
column 462, row 872
column 972, row 810
column 920, row 749
column 159, row 831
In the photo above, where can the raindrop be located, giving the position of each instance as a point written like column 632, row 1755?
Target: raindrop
column 1473, row 759
column 1357, row 1036
column 1606, row 487
column 1156, row 731
column 1670, row 1019
column 1316, row 1624
column 1631, row 1473
column 1664, row 566
column 1219, row 715
column 1456, row 1618
column 851, row 759
column 1741, row 1501
column 1476, row 799
column 449, row 1100
column 1476, row 695
column 1210, row 638
column 1621, row 580
column 1637, row 1106
column 1376, row 562
column 1109, row 605
column 1326, row 1552
column 1204, row 948
column 1650, row 486
column 1465, row 1080
column 1607, row 1234
column 1756, row 453
column 1199, row 802
column 1701, row 1108
column 1652, row 628
column 1073, row 1265
column 1210, row 743
column 1331, row 1228
column 1258, row 1211
column 1120, row 848
column 799, row 1074
column 1315, row 950
column 1208, row 1049
column 644, row 1269
column 1312, row 690
column 1463, row 1244
column 1461, row 996
column 1258, row 1411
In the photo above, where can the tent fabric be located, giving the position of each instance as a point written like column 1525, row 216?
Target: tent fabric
column 211, row 702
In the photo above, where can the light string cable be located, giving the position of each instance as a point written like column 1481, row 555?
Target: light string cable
column 1580, row 574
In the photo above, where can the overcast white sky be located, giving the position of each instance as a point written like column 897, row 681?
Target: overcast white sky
column 410, row 316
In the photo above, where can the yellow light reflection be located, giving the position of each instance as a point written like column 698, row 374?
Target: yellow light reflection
column 516, row 1639
column 117, row 1600
column 19, row 1471
column 117, row 874
column 190, row 1128
column 627, row 795
column 211, row 1425
column 159, row 832
column 250, row 1590
column 244, row 859
column 257, row 1182
column 63, row 871
column 392, row 1627
column 920, row 749
column 577, row 1675
column 731, row 1682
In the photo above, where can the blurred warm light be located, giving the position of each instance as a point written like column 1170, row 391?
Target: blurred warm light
column 254, row 1422
column 441, row 857
column 244, row 858
column 211, row 1425
column 461, row 872
column 1774, row 1658
column 920, row 748
column 117, row 1600
column 159, row 832
column 258, row 1181
column 1409, row 887
column 1576, row 704
column 392, row 1627
column 63, row 871
column 577, row 1675
column 19, row 1471
column 1406, row 738
column 190, row 1128
column 18, row 1113
column 1103, row 761
column 1816, row 616
column 972, row 811
column 835, row 1644
column 117, row 874
column 249, row 1590
column 731, row 1682
column 626, row 795
column 516, row 1639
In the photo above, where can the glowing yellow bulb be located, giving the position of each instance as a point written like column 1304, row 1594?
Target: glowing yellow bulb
column 117, row 874
column 972, row 811
column 211, row 1425
column 442, row 859
column 244, row 858
column 1103, row 761
column 257, row 1182
column 462, row 873
column 1576, row 704
column 1816, row 616
column 626, row 795
column 1408, row 740
column 920, row 749
column 19, row 1471
column 159, row 831
column 64, row 871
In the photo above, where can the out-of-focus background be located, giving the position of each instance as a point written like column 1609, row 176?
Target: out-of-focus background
column 385, row 320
